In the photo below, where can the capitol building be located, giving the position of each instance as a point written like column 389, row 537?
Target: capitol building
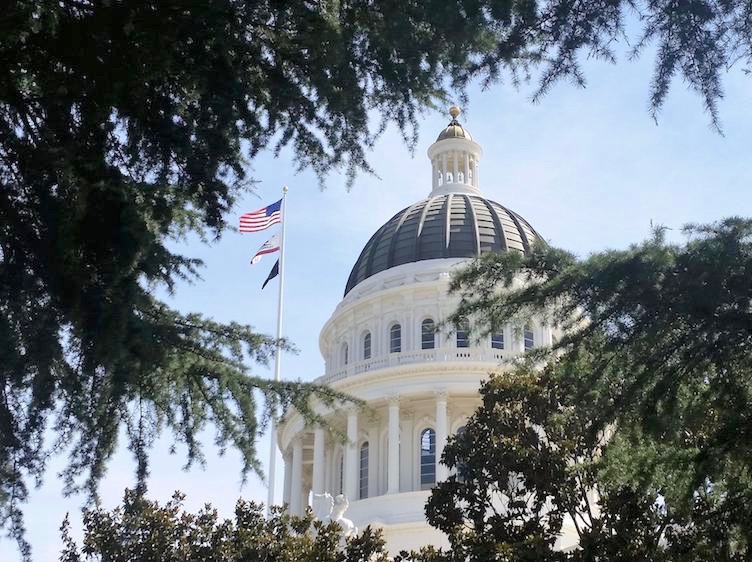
column 381, row 345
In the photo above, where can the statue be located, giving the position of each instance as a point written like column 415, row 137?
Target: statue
column 328, row 509
column 322, row 506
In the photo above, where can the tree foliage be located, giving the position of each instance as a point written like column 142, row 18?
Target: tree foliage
column 634, row 428
column 145, row 531
column 128, row 126
column 532, row 477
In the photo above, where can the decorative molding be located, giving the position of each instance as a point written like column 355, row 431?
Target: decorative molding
column 425, row 421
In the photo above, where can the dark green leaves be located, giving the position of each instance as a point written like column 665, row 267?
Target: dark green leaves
column 125, row 126
column 670, row 328
column 145, row 531
column 634, row 427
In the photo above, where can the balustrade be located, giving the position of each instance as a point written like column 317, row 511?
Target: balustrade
column 418, row 356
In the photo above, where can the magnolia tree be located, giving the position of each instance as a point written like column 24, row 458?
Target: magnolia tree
column 141, row 530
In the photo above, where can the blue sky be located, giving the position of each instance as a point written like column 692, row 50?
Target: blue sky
column 588, row 168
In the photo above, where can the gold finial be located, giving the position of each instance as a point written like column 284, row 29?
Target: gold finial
column 454, row 111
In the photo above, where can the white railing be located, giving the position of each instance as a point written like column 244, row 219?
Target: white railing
column 420, row 356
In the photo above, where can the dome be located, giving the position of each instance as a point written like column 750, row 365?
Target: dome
column 454, row 130
column 452, row 225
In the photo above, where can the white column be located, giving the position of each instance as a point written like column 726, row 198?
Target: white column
column 467, row 168
column 288, row 479
column 373, row 460
column 329, row 472
column 407, row 478
column 318, row 461
column 296, row 488
column 378, row 337
column 392, row 474
column 442, row 472
column 409, row 333
column 351, row 456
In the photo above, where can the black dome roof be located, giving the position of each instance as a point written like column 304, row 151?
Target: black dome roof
column 454, row 225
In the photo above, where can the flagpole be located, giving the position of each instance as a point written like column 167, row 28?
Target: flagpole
column 270, row 500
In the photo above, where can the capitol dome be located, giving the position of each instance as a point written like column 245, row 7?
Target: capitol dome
column 453, row 225
column 388, row 345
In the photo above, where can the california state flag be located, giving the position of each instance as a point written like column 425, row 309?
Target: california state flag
column 268, row 247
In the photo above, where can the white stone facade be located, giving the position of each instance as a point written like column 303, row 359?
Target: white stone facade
column 406, row 392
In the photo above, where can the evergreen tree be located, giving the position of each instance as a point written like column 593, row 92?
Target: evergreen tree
column 125, row 126
column 634, row 427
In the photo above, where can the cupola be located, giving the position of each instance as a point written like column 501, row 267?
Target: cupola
column 454, row 221
column 454, row 159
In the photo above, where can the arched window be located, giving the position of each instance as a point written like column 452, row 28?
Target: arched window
column 363, row 488
column 449, row 177
column 461, row 466
column 497, row 340
column 427, row 334
column 345, row 354
column 395, row 338
column 460, row 177
column 367, row 345
column 463, row 334
column 529, row 338
column 441, row 178
column 427, row 459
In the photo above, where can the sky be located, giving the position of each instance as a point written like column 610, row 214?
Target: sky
column 588, row 168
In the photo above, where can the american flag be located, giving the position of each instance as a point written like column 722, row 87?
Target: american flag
column 261, row 219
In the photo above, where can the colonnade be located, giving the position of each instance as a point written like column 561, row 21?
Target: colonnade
column 322, row 460
column 455, row 167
